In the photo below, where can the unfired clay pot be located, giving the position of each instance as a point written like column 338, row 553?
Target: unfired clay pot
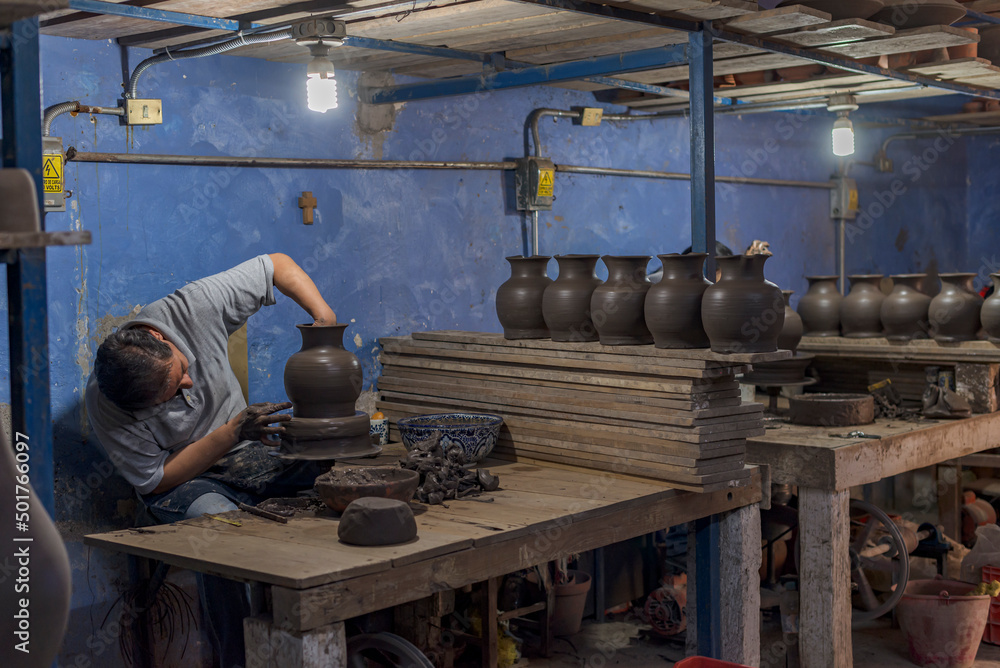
column 323, row 380
column 990, row 314
column 791, row 332
column 904, row 311
column 954, row 312
column 743, row 312
column 819, row 307
column 616, row 307
column 566, row 302
column 35, row 594
column 519, row 298
column 860, row 312
column 673, row 306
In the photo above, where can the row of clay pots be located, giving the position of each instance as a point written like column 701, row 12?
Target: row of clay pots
column 955, row 314
column 741, row 313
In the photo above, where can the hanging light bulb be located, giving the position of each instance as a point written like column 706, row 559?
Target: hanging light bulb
column 843, row 129
column 321, row 87
column 320, row 35
column 843, row 137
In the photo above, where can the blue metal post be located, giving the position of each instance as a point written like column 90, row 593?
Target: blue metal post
column 702, row 147
column 708, row 589
column 26, row 281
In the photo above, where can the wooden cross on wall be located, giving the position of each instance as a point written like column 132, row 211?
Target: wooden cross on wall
column 307, row 203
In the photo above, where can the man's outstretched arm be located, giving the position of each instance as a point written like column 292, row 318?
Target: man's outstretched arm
column 293, row 282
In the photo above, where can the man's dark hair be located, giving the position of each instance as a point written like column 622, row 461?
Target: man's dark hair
column 132, row 368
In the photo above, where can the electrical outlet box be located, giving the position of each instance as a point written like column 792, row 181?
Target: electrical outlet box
column 844, row 199
column 534, row 181
column 142, row 112
column 53, row 174
column 590, row 116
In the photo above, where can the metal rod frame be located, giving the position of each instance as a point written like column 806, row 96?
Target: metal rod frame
column 27, row 314
column 161, row 15
column 702, row 148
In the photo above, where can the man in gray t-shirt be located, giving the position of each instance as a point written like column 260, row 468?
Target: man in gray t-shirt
column 168, row 410
column 163, row 399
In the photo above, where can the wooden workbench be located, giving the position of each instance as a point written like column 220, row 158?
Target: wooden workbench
column 541, row 513
column 825, row 468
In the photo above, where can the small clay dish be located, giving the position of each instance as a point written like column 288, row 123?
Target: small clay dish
column 476, row 433
column 340, row 486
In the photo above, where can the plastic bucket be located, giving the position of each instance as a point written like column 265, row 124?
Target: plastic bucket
column 942, row 623
column 571, row 597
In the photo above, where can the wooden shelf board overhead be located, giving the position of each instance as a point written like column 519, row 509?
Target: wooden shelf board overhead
column 545, row 35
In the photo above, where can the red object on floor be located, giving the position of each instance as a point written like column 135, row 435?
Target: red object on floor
column 705, row 662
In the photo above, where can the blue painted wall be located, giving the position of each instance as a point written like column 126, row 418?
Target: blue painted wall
column 394, row 251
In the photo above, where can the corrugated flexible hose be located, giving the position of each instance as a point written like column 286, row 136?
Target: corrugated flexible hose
column 222, row 47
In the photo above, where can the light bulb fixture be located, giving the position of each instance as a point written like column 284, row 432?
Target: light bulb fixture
column 320, row 35
column 843, row 129
column 321, row 87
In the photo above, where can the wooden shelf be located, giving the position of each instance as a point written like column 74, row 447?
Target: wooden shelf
column 18, row 240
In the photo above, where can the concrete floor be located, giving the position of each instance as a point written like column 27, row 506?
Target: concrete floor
column 630, row 645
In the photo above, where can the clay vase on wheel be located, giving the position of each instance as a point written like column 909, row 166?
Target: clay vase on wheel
column 566, row 302
column 904, row 311
column 743, row 312
column 673, row 306
column 990, row 314
column 323, row 380
column 954, row 312
column 819, row 307
column 791, row 332
column 861, row 310
column 519, row 298
column 616, row 307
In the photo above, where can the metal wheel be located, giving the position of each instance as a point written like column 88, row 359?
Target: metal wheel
column 384, row 650
column 878, row 552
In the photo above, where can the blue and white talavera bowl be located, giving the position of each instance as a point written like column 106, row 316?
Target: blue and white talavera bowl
column 477, row 433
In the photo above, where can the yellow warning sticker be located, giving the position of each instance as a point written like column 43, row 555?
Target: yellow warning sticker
column 546, row 177
column 52, row 174
column 852, row 200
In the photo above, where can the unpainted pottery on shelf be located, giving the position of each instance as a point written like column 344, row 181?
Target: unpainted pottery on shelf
column 904, row 311
column 566, row 302
column 861, row 310
column 673, row 306
column 35, row 600
column 323, row 380
column 616, row 306
column 990, row 314
column 519, row 298
column 791, row 331
column 743, row 312
column 819, row 307
column 954, row 312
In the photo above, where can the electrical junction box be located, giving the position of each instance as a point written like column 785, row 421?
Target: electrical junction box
column 142, row 112
column 534, row 181
column 53, row 174
column 844, row 198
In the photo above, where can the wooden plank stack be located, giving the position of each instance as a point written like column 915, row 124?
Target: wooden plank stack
column 672, row 415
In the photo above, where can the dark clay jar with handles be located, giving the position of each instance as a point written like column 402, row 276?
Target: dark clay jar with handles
column 673, row 306
column 566, row 302
column 990, row 314
column 616, row 307
column 519, row 298
column 743, row 312
column 791, row 332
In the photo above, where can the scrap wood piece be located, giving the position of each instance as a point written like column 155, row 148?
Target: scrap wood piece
column 959, row 68
column 835, row 32
column 775, row 20
column 904, row 41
